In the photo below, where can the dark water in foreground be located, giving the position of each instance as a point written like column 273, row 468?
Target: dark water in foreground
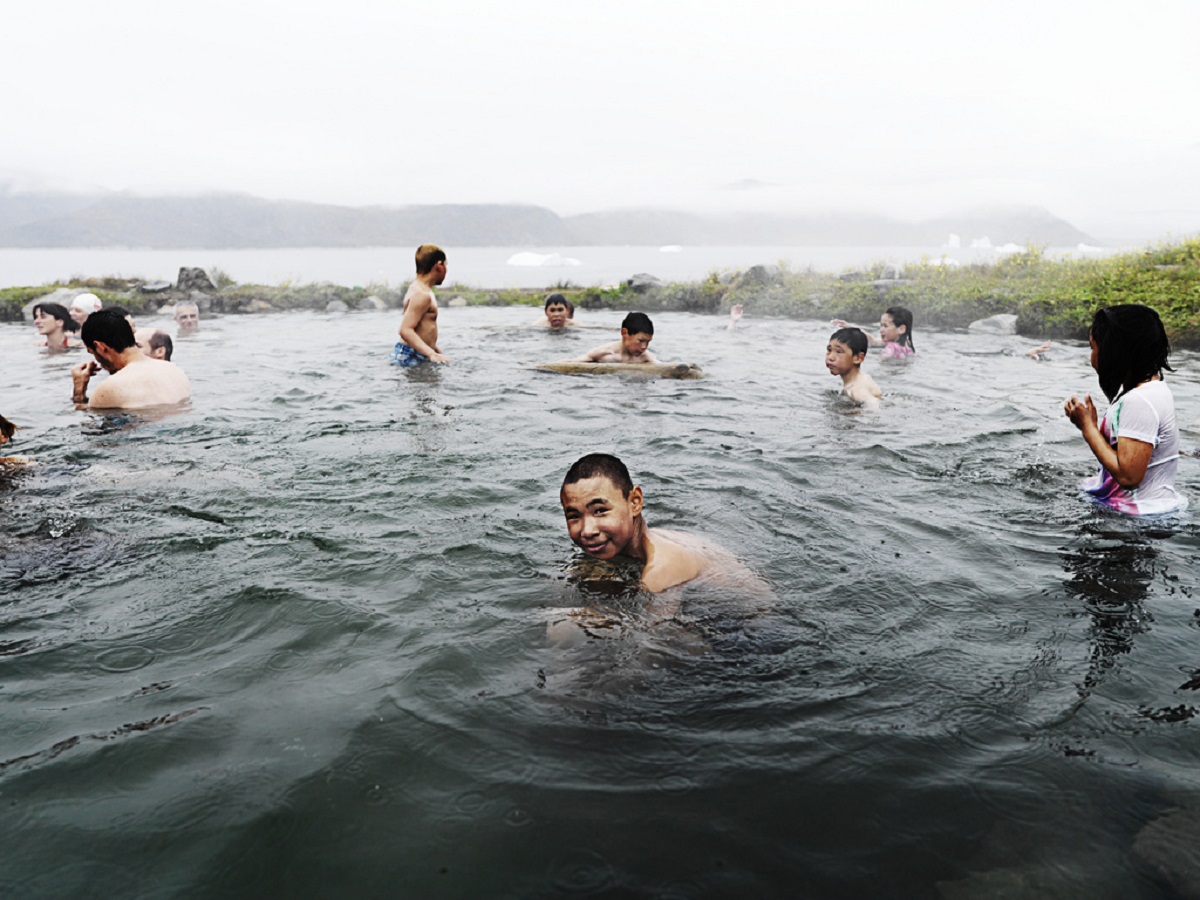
column 292, row 641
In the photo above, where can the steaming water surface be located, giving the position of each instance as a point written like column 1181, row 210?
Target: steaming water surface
column 292, row 640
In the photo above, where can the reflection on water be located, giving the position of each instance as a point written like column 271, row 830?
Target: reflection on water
column 296, row 639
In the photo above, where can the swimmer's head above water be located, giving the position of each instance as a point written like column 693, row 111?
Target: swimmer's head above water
column 846, row 350
column 636, row 333
column 559, row 310
column 603, row 507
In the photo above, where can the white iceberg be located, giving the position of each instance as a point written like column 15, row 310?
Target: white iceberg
column 528, row 259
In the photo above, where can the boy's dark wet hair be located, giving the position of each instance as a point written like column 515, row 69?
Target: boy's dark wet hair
column 1133, row 347
column 551, row 299
column 600, row 465
column 901, row 316
column 854, row 338
column 120, row 311
column 7, row 428
column 638, row 323
column 109, row 326
column 58, row 311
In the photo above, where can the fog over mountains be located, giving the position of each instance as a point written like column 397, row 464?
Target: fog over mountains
column 217, row 221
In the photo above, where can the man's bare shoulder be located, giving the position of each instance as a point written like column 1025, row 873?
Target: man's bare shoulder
column 863, row 389
column 147, row 382
column 687, row 557
column 418, row 292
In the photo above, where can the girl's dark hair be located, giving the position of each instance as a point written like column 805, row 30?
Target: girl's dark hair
column 7, row 428
column 901, row 316
column 1132, row 347
column 58, row 311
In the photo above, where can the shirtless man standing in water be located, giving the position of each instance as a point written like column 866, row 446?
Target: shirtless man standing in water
column 135, row 380
column 418, row 328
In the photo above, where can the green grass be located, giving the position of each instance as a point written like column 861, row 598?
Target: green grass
column 1051, row 298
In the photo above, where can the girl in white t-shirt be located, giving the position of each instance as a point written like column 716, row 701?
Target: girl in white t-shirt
column 1137, row 441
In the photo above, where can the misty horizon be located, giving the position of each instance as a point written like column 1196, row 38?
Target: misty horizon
column 913, row 113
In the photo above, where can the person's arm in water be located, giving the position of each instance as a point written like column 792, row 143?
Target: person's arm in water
column 1127, row 462
column 81, row 376
column 596, row 354
column 1036, row 352
column 735, row 314
column 414, row 313
column 872, row 338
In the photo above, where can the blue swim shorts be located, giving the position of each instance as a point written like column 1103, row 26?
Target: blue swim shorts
column 405, row 356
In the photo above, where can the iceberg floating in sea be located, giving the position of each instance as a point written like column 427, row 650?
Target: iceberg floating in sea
column 528, row 259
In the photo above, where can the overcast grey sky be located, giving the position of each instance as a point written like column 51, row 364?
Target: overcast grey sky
column 1086, row 108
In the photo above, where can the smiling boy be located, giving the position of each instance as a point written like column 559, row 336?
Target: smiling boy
column 636, row 333
column 604, row 518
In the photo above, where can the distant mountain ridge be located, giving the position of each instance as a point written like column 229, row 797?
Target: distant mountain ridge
column 240, row 221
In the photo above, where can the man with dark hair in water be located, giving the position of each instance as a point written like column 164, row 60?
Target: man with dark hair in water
column 136, row 380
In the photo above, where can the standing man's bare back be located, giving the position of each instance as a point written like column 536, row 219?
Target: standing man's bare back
column 418, row 328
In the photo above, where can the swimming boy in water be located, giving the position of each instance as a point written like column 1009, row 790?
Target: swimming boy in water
column 844, row 355
column 418, row 328
column 559, row 313
column 636, row 333
column 604, row 518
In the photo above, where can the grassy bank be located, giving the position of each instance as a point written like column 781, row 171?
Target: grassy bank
column 1051, row 298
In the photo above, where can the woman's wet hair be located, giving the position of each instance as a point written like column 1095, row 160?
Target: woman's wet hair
column 638, row 323
column 7, row 428
column 58, row 311
column 110, row 327
column 600, row 465
column 901, row 316
column 854, row 338
column 1132, row 347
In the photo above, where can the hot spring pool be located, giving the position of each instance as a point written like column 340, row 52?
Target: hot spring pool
column 292, row 641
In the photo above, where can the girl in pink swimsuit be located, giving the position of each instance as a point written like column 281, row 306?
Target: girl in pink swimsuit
column 895, row 332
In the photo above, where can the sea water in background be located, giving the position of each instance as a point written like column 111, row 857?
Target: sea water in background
column 498, row 267
column 292, row 640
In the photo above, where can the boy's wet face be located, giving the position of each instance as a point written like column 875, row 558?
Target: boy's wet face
column 840, row 359
column 636, row 344
column 557, row 314
column 600, row 520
